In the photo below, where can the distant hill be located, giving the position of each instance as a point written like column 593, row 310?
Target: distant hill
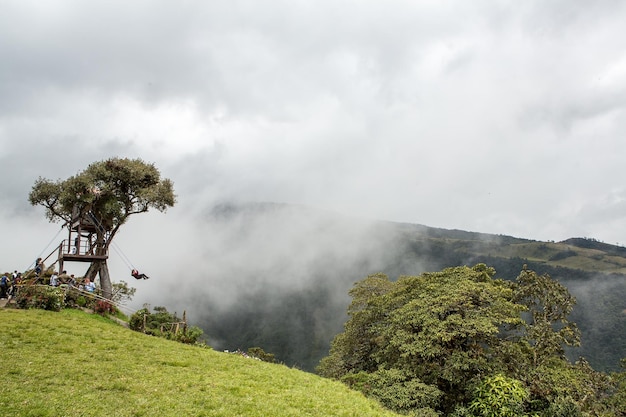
column 280, row 274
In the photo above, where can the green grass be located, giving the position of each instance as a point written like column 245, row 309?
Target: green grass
column 75, row 364
column 590, row 260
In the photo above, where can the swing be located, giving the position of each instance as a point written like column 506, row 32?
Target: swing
column 137, row 275
column 133, row 271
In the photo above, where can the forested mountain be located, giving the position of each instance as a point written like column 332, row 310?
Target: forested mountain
column 279, row 276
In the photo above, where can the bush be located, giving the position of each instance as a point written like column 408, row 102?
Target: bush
column 41, row 296
column 403, row 394
column 74, row 299
column 164, row 324
column 104, row 308
column 137, row 319
column 499, row 396
column 81, row 301
column 259, row 353
column 188, row 336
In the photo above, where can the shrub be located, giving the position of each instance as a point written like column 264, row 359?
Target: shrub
column 104, row 308
column 499, row 396
column 41, row 296
column 401, row 393
column 259, row 353
column 359, row 381
column 188, row 336
column 164, row 324
column 81, row 301
column 136, row 321
column 74, row 299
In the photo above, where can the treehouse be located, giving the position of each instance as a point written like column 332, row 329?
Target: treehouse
column 87, row 240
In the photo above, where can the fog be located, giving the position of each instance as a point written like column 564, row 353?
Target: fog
column 244, row 264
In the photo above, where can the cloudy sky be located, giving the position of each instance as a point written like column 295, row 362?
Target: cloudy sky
column 500, row 117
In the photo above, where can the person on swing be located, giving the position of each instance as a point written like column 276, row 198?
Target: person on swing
column 137, row 275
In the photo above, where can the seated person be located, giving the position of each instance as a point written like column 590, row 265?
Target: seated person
column 63, row 279
column 137, row 275
column 89, row 286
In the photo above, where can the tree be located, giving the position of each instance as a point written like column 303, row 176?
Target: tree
column 549, row 303
column 110, row 191
column 352, row 350
column 617, row 401
column 437, row 331
column 461, row 342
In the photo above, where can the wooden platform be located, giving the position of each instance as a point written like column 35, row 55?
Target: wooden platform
column 68, row 257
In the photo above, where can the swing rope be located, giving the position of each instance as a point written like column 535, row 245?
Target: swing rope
column 114, row 245
column 32, row 264
column 122, row 255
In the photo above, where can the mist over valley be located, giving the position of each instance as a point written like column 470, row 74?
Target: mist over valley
column 277, row 276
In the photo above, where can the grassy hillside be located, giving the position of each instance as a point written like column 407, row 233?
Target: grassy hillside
column 74, row 364
column 581, row 254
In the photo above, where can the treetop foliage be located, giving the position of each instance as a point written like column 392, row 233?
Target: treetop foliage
column 112, row 190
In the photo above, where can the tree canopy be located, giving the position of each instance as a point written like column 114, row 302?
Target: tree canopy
column 461, row 342
column 111, row 191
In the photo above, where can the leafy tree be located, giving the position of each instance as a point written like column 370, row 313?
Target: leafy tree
column 122, row 293
column 548, row 329
column 444, row 327
column 617, row 401
column 438, row 329
column 462, row 343
column 111, row 190
column 556, row 386
column 352, row 350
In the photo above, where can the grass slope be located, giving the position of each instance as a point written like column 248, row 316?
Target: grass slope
column 576, row 253
column 74, row 364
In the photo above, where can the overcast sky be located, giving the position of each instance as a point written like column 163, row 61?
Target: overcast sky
column 501, row 117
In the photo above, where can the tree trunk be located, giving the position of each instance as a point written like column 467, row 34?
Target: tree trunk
column 105, row 280
column 101, row 268
column 92, row 271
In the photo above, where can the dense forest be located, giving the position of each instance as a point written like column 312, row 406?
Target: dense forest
column 462, row 343
column 293, row 300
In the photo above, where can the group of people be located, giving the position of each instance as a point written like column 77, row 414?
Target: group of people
column 65, row 279
column 8, row 283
